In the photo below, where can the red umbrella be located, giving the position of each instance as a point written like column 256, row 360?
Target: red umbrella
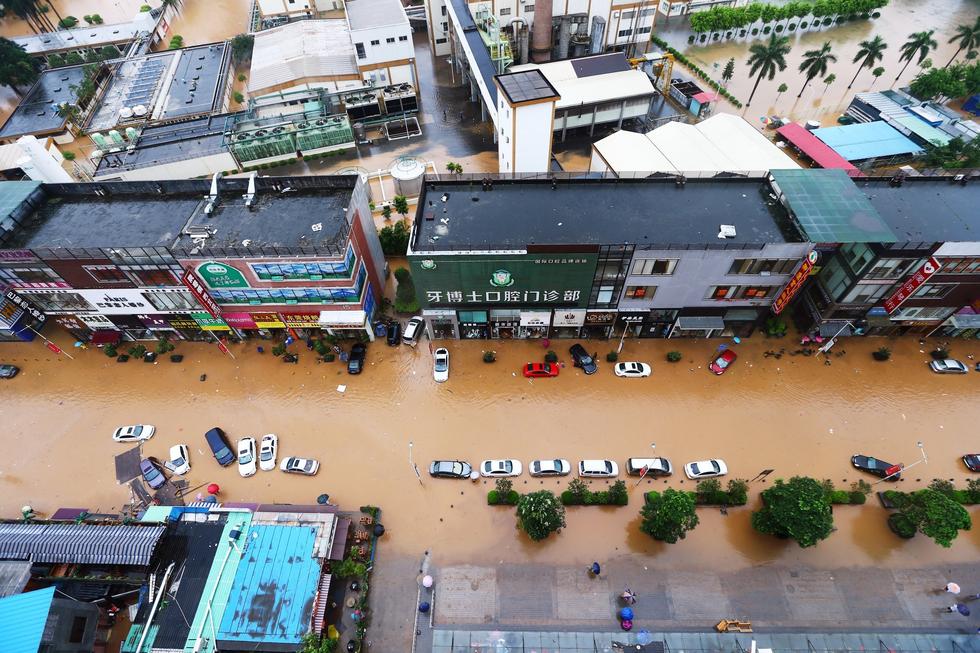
column 213, row 488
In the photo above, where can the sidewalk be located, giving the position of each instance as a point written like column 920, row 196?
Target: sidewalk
column 773, row 598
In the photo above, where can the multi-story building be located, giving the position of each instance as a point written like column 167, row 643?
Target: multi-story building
column 144, row 260
column 531, row 258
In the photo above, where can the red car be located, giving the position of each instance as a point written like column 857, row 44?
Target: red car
column 540, row 370
column 720, row 364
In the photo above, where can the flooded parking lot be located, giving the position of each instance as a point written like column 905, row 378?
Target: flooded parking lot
column 795, row 415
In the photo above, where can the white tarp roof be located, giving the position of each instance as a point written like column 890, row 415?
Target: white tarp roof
column 575, row 90
column 300, row 50
column 368, row 14
column 722, row 143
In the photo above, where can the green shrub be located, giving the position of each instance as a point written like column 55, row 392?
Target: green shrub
column 68, row 22
column 612, row 357
column 964, row 497
column 942, row 486
column 69, row 156
column 137, row 351
column 279, row 349
column 350, row 568
column 578, row 490
column 840, row 497
column 617, row 494
column 882, row 354
column 901, row 525
column 97, row 19
column 145, row 8
column 164, row 346
column 738, row 492
column 239, row 98
column 896, row 498
column 493, row 497
column 857, row 498
column 861, row 486
column 241, row 77
column 329, row 357
column 489, row 357
column 551, row 357
column 674, row 356
column 110, row 350
column 569, row 499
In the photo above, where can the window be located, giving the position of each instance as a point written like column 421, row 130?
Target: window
column 762, row 266
column 857, row 255
column 890, row 268
column 640, row 292
column 440, row 41
column 77, row 633
column 528, row 9
column 403, row 38
column 153, row 277
column 58, row 301
column 959, row 266
column 644, row 30
column 755, row 292
column 445, row 27
column 505, row 11
column 172, row 301
column 934, row 290
column 866, row 293
column 106, row 273
column 37, row 277
column 655, row 266
column 361, row 54
column 306, row 271
column 721, row 292
column 923, row 313
column 627, row 15
column 390, row 39
column 605, row 294
column 318, row 295
column 625, row 32
column 443, row 10
column 376, row 42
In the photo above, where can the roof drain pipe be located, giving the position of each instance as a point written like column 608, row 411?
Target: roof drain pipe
column 156, row 604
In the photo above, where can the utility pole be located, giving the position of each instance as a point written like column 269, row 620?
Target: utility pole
column 411, row 461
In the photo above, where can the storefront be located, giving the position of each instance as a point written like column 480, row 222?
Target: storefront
column 78, row 329
column 348, row 324
column 964, row 324
column 474, row 325
column 740, row 322
column 566, row 323
column 441, row 324
column 186, row 328
column 19, row 318
column 258, row 325
column 534, row 324
column 505, row 323
column 212, row 327
column 697, row 326
column 629, row 324
column 132, row 327
column 658, row 323
column 598, row 324
column 302, row 325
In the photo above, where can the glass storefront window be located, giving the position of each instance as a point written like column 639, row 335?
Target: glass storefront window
column 300, row 270
column 319, row 295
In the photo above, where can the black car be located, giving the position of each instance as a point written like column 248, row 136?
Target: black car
column 394, row 334
column 219, row 446
column 355, row 364
column 8, row 371
column 876, row 467
column 972, row 461
column 582, row 359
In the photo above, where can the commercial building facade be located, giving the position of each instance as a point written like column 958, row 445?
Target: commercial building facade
column 302, row 255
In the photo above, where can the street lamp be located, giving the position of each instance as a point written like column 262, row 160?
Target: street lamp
column 411, row 461
column 924, row 459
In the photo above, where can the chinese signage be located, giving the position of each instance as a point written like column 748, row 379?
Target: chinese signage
column 795, row 283
column 569, row 318
column 513, row 280
column 17, row 255
column 209, row 323
column 239, row 320
column 25, row 305
column 268, row 321
column 196, row 286
column 301, row 320
column 118, row 302
column 154, row 322
column 220, row 275
column 603, row 317
column 911, row 284
column 182, row 322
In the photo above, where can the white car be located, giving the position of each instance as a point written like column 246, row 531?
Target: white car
column 180, row 463
column 305, row 466
column 246, row 457
column 598, row 469
column 500, row 468
column 133, row 433
column 267, row 452
column 948, row 366
column 556, row 467
column 440, row 365
column 632, row 370
column 706, row 468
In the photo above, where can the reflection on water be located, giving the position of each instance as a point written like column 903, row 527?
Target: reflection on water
column 795, row 415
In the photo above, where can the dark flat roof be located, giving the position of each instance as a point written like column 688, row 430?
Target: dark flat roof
column 199, row 68
column 155, row 213
column 37, row 113
column 483, row 61
column 647, row 212
column 925, row 209
column 167, row 143
column 527, row 85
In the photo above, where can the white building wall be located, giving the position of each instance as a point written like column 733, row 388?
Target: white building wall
column 378, row 49
column 697, row 271
column 598, row 164
column 289, row 7
column 437, row 18
column 524, row 143
column 389, row 75
column 204, row 166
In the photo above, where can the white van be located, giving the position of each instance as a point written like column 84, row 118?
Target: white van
column 413, row 331
column 654, row 466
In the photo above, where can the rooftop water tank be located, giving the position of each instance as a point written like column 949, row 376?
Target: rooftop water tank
column 139, row 111
column 407, row 172
column 125, row 113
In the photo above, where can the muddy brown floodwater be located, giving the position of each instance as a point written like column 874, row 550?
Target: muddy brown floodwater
column 795, row 415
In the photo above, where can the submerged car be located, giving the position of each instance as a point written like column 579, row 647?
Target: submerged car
column 355, row 364
column 500, row 468
column 180, row 463
column 394, row 334
column 632, row 369
column 972, row 461
column 450, row 469
column 152, row 474
column 581, row 358
column 267, row 452
column 706, row 468
column 440, row 365
column 540, row 370
column 219, row 446
column 304, row 466
column 722, row 362
column 877, row 467
column 133, row 433
column 555, row 467
column 598, row 469
column 246, row 457
column 948, row 366
column 8, row 371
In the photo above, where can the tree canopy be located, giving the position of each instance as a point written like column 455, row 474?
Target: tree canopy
column 935, row 515
column 669, row 516
column 955, row 81
column 797, row 509
column 16, row 66
column 540, row 514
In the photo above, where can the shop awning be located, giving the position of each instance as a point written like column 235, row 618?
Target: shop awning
column 700, row 323
column 965, row 321
column 741, row 315
column 831, row 329
column 106, row 337
column 330, row 319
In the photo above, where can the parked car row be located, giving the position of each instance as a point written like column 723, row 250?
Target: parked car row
column 586, row 468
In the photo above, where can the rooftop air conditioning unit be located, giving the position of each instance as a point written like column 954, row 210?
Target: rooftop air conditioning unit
column 726, row 231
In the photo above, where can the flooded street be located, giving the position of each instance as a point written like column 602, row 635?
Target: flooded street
column 209, row 21
column 819, row 101
column 794, row 415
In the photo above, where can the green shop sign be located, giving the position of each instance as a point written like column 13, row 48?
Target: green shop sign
column 219, row 275
column 518, row 280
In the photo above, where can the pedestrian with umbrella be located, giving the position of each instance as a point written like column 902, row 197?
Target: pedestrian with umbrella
column 629, row 598
column 959, row 608
column 952, row 588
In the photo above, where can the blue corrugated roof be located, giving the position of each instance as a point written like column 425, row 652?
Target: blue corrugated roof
column 271, row 601
column 867, row 140
column 22, row 620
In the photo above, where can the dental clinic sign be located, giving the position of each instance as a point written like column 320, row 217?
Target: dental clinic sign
column 509, row 280
column 911, row 284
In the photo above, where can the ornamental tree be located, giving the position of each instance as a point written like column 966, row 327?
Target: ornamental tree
column 540, row 514
column 935, row 515
column 669, row 516
column 797, row 510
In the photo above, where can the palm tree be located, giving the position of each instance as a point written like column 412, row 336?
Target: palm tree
column 869, row 54
column 767, row 59
column 919, row 45
column 815, row 64
column 966, row 36
column 877, row 72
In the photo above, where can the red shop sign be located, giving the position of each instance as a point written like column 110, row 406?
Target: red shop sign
column 911, row 284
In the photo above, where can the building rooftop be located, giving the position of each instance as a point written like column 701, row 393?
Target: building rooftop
column 474, row 41
column 14, row 576
column 526, row 86
column 87, row 36
column 37, row 113
column 288, row 212
column 303, row 49
column 88, row 544
column 271, row 600
column 867, row 140
column 161, row 144
column 927, row 209
column 592, row 80
column 368, row 14
column 829, row 208
column 23, row 617
column 648, row 213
